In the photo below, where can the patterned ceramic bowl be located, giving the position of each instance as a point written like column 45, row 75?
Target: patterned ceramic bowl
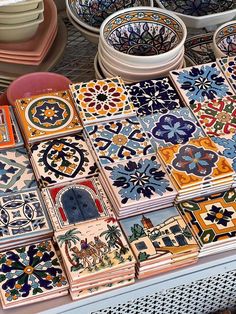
column 91, row 13
column 144, row 35
column 224, row 40
column 201, row 13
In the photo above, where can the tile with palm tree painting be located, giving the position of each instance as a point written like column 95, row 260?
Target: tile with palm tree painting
column 30, row 273
column 93, row 247
column 213, row 218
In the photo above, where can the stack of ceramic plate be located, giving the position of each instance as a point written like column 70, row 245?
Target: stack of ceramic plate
column 213, row 221
column 197, row 168
column 140, row 43
column 39, row 51
column 96, row 257
column 160, row 241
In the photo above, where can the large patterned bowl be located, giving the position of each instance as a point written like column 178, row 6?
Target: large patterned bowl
column 143, row 35
column 201, row 13
column 224, row 40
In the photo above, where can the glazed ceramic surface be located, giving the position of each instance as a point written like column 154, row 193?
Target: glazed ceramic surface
column 6, row 129
column 228, row 66
column 225, row 40
column 22, row 6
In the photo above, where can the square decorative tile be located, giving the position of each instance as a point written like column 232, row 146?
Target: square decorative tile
column 6, row 130
column 76, row 202
column 195, row 162
column 200, row 83
column 119, row 140
column 101, row 240
column 228, row 66
column 137, row 180
column 101, row 100
column 62, row 160
column 158, row 234
column 29, row 273
column 174, row 127
column 47, row 115
column 154, row 96
column 22, row 214
column 16, row 174
column 217, row 116
column 213, row 218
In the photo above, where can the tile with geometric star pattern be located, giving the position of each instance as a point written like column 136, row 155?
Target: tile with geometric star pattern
column 46, row 116
column 119, row 140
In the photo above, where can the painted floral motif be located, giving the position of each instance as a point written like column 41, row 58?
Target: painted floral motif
column 217, row 116
column 62, row 159
column 219, row 215
column 228, row 66
column 200, row 83
column 154, row 96
column 119, row 140
column 227, row 146
column 30, row 271
column 211, row 218
column 22, row 214
column 195, row 160
column 47, row 115
column 226, row 39
column 101, row 99
column 141, row 178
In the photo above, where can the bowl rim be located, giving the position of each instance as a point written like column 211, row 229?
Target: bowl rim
column 196, row 18
column 145, row 8
column 39, row 20
column 219, row 29
column 39, row 9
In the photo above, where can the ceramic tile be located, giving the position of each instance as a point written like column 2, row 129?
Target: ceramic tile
column 119, row 140
column 76, row 203
column 47, row 115
column 201, row 83
column 227, row 146
column 22, row 214
column 195, row 162
column 158, row 234
column 199, row 49
column 93, row 247
column 30, row 272
column 213, row 218
column 16, row 131
column 154, row 96
column 175, row 127
column 228, row 66
column 16, row 173
column 63, row 159
column 6, row 131
column 140, row 179
column 101, row 100
column 217, row 116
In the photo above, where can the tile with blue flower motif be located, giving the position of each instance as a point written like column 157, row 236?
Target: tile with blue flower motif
column 153, row 96
column 200, row 83
column 228, row 67
column 217, row 116
column 119, row 140
column 196, row 162
column 31, row 273
column 46, row 116
column 62, row 160
column 16, row 174
column 175, row 127
column 212, row 218
column 102, row 100
column 138, row 180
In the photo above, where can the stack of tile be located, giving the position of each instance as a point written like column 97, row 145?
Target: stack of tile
column 31, row 273
column 213, row 221
column 160, row 241
column 197, row 168
column 96, row 257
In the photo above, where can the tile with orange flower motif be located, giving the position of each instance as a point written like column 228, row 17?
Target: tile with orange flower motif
column 102, row 100
column 217, row 116
column 31, row 273
column 6, row 130
column 47, row 116
column 195, row 162
column 212, row 218
column 119, row 140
